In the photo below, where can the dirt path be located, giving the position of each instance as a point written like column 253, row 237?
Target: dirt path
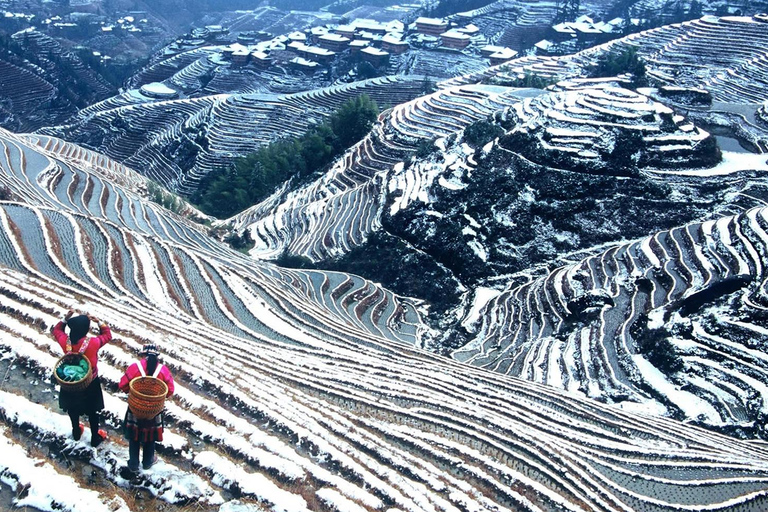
column 35, row 385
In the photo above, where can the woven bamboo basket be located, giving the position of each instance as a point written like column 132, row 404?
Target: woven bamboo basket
column 146, row 397
column 78, row 385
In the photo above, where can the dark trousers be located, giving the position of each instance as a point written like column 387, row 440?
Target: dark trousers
column 133, row 454
column 93, row 419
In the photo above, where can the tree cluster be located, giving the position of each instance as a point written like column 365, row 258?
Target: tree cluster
column 253, row 177
column 159, row 195
column 615, row 63
column 528, row 80
column 482, row 132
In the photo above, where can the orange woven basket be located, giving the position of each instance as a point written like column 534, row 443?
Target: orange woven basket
column 146, row 397
column 74, row 386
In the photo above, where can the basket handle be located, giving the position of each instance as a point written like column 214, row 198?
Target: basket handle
column 83, row 347
column 144, row 373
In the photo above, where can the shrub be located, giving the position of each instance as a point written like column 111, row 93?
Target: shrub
column 655, row 345
column 288, row 260
column 482, row 132
column 159, row 195
column 240, row 241
column 615, row 63
column 424, row 148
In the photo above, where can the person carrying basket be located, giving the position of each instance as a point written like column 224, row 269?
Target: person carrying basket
column 147, row 383
column 84, row 395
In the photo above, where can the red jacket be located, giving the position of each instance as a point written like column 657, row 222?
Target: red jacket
column 94, row 344
column 133, row 371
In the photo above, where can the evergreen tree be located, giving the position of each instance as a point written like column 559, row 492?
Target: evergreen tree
column 615, row 63
column 353, row 120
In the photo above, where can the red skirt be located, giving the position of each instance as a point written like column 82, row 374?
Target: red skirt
column 144, row 431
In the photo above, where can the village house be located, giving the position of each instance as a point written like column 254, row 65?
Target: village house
column 455, row 39
column 260, row 60
column 544, row 47
column 235, row 48
column 488, row 50
column 502, row 56
column 584, row 31
column 357, row 45
column 320, row 55
column 333, row 42
column 316, row 32
column 312, row 53
column 347, row 31
column 394, row 44
column 297, row 36
column 240, row 56
column 470, row 30
column 375, row 56
column 371, row 26
column 431, row 26
column 306, row 66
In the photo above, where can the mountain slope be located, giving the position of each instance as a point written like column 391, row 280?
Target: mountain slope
column 177, row 142
column 296, row 389
column 674, row 318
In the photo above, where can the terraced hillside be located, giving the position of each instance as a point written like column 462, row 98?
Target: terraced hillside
column 336, row 213
column 675, row 318
column 591, row 126
column 176, row 142
column 297, row 390
column 612, row 164
column 687, row 54
column 514, row 23
column 583, row 165
column 43, row 83
column 596, row 126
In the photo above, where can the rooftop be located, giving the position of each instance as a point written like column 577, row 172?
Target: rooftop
column 335, row 38
column 453, row 34
column 431, row 21
column 374, row 51
column 390, row 39
column 304, row 63
column 505, row 53
column 320, row 52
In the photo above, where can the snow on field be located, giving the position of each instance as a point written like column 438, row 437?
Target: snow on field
column 732, row 162
column 40, row 486
column 306, row 390
column 691, row 405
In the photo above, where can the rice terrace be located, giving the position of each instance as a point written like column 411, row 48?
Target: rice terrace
column 425, row 256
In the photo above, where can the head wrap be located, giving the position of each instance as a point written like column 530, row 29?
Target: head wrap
column 78, row 327
column 150, row 349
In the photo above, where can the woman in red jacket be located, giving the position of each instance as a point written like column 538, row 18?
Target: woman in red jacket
column 144, row 433
column 91, row 400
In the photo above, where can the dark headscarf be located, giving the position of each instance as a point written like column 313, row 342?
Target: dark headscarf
column 78, row 327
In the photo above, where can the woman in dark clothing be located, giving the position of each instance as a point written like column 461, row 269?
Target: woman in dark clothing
column 144, row 433
column 90, row 400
